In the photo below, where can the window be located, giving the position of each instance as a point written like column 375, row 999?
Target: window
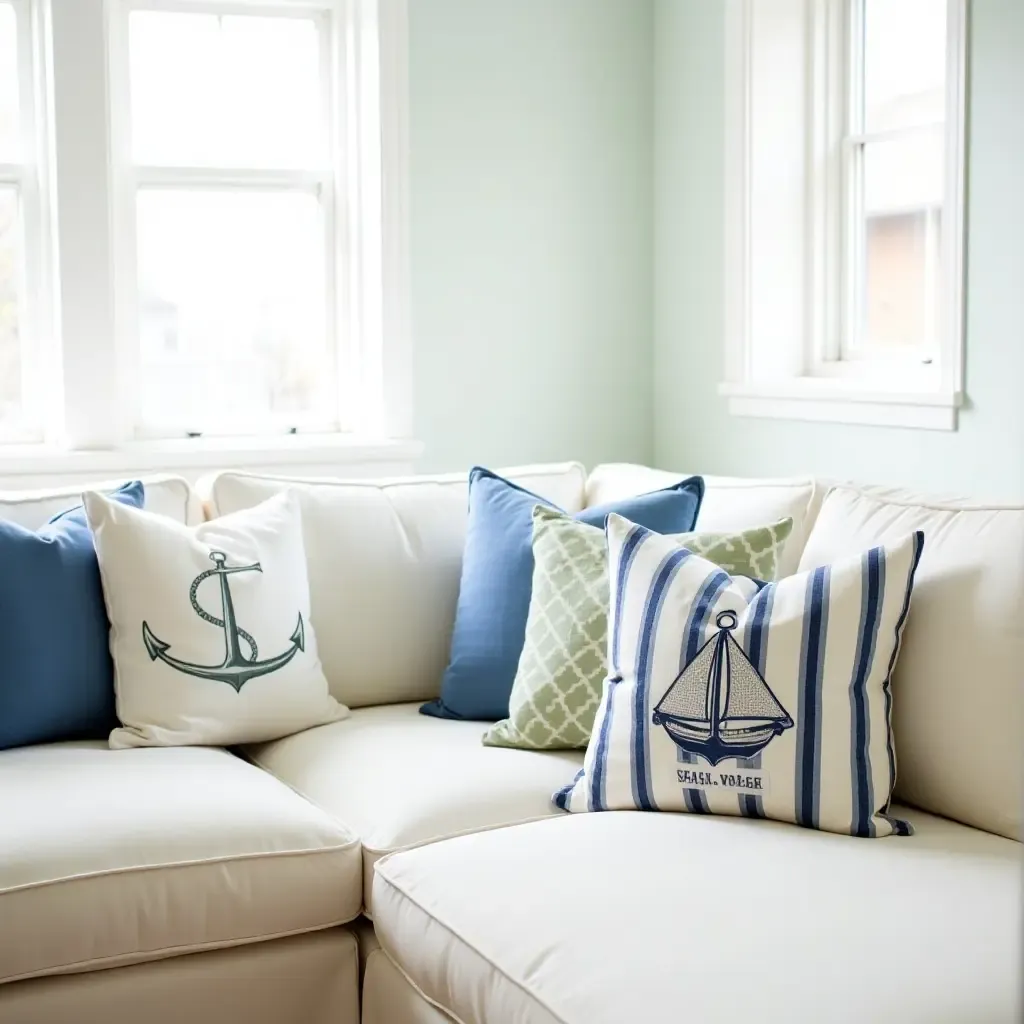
column 228, row 188
column 22, row 286
column 844, row 219
column 895, row 158
column 231, row 190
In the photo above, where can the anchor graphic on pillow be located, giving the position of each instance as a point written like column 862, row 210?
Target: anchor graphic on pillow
column 236, row 669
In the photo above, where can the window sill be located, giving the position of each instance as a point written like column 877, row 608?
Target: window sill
column 187, row 456
column 828, row 400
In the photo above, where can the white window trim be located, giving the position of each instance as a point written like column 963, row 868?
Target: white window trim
column 187, row 456
column 89, row 427
column 802, row 385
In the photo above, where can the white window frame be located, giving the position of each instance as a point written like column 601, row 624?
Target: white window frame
column 95, row 349
column 788, row 275
column 30, row 177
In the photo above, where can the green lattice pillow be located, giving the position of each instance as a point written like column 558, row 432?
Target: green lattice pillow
column 561, row 671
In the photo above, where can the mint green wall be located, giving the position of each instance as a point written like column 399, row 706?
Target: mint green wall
column 985, row 458
column 531, row 245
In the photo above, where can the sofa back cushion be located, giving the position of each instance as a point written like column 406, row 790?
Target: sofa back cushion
column 958, row 702
column 730, row 503
column 385, row 557
column 166, row 495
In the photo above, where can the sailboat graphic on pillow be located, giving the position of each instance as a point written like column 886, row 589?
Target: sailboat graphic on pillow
column 719, row 706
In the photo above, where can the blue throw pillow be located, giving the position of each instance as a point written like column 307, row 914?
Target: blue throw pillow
column 497, row 578
column 56, row 676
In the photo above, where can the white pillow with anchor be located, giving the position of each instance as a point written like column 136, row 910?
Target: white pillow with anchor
column 209, row 626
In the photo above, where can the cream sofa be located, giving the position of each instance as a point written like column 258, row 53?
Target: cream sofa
column 192, row 885
column 115, row 864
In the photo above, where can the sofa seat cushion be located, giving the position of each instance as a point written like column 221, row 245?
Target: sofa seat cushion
column 110, row 857
column 398, row 779
column 605, row 918
column 302, row 979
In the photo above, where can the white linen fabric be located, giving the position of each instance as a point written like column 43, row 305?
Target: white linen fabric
column 730, row 503
column 209, row 626
column 958, row 688
column 397, row 778
column 620, row 918
column 385, row 558
column 112, row 857
column 728, row 695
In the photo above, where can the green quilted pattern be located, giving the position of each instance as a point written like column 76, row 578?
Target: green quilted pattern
column 561, row 672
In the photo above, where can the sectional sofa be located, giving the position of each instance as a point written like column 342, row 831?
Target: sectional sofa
column 391, row 868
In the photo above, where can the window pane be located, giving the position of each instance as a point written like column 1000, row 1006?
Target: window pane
column 11, row 396
column 8, row 85
column 902, row 223
column 904, row 63
column 232, row 311
column 901, row 268
column 904, row 173
column 213, row 90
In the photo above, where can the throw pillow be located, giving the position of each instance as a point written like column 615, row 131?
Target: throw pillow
column 558, row 684
column 209, row 626
column 56, row 678
column 497, row 572
column 728, row 695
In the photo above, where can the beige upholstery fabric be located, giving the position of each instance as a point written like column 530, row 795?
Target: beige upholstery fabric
column 397, row 778
column 305, row 979
column 389, row 998
column 958, row 688
column 110, row 857
column 366, row 940
column 615, row 917
column 385, row 559
column 730, row 503
column 166, row 495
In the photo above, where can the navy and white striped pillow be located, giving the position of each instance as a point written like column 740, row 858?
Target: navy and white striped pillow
column 727, row 695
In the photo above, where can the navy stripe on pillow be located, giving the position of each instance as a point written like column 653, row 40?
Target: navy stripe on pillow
column 642, row 788
column 812, row 655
